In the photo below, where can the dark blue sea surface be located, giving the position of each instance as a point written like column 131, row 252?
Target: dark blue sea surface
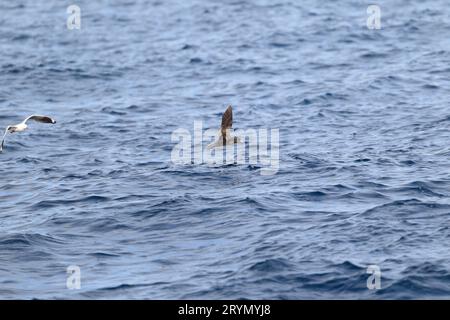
column 364, row 119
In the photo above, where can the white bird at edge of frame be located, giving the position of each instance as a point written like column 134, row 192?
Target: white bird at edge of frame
column 23, row 126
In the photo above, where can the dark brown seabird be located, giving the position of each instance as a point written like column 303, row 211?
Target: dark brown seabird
column 225, row 137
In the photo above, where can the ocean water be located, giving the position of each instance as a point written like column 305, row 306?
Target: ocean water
column 363, row 118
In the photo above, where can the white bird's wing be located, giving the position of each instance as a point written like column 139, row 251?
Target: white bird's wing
column 3, row 139
column 42, row 119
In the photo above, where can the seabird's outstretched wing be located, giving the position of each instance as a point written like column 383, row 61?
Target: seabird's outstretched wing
column 3, row 139
column 43, row 119
column 227, row 123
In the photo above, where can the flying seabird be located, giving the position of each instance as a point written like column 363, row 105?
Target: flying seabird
column 23, row 126
column 225, row 137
